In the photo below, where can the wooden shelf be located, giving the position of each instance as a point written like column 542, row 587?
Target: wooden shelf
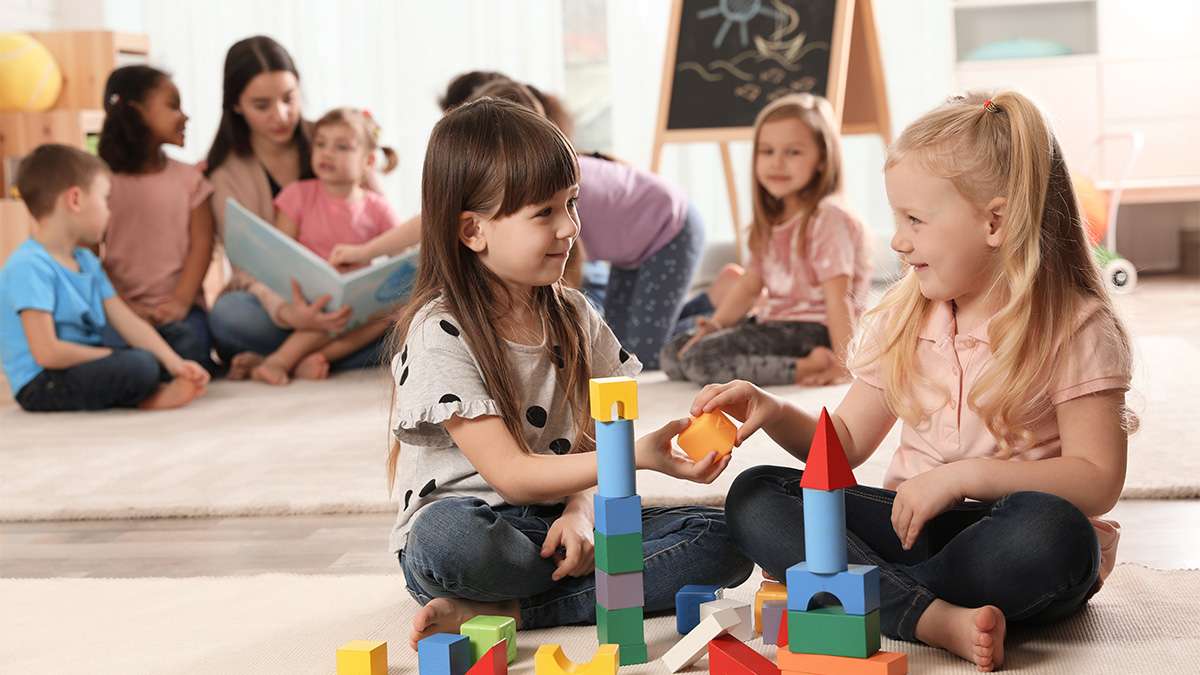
column 21, row 132
column 86, row 58
column 15, row 226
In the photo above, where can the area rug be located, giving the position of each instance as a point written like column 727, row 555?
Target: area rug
column 249, row 449
column 294, row 624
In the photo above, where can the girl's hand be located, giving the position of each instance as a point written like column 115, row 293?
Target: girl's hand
column 820, row 368
column 750, row 405
column 190, row 370
column 705, row 326
column 654, row 451
column 922, row 497
column 572, row 533
column 170, row 311
column 301, row 315
column 348, row 255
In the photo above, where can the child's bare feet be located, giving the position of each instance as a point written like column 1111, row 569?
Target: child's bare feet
column 446, row 615
column 270, row 372
column 975, row 634
column 241, row 365
column 174, row 394
column 313, row 367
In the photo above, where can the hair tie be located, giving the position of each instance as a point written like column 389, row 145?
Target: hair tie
column 114, row 99
column 990, row 107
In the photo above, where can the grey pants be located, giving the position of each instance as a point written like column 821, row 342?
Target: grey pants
column 764, row 353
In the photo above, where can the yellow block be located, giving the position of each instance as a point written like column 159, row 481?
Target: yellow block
column 362, row 657
column 605, row 391
column 550, row 660
column 708, row 432
column 768, row 591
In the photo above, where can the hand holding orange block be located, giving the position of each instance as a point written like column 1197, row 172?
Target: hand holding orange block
column 711, row 431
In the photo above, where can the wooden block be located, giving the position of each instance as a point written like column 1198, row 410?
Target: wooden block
column 615, row 475
column 633, row 654
column 857, row 588
column 444, row 654
column 618, row 554
column 830, row 630
column 729, row 656
column 617, row 515
column 782, row 640
column 605, row 391
column 485, row 631
column 710, row 432
column 692, row 646
column 619, row 591
column 687, row 605
column 767, row 591
column 744, row 630
column 620, row 626
column 494, row 661
column 550, row 660
column 774, row 613
column 879, row 663
column 826, row 467
column 362, row 657
column 824, row 530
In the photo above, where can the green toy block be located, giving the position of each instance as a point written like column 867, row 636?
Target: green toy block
column 631, row 655
column 485, row 631
column 620, row 626
column 618, row 553
column 831, row 631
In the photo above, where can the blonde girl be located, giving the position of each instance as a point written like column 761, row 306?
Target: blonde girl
column 492, row 360
column 1001, row 354
column 808, row 254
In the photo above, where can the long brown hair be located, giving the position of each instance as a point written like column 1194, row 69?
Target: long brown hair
column 817, row 114
column 494, row 157
column 367, row 129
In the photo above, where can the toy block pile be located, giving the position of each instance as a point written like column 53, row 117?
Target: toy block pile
column 485, row 645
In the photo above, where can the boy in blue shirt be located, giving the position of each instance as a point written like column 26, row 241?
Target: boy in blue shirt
column 55, row 302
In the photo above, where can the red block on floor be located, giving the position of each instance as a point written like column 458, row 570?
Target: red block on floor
column 728, row 655
column 494, row 661
column 782, row 641
column 880, row 663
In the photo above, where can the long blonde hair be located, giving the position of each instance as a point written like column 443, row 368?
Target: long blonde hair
column 817, row 114
column 494, row 157
column 998, row 145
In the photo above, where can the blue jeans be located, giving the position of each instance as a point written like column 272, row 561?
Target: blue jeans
column 1032, row 554
column 188, row 337
column 460, row 547
column 240, row 324
column 641, row 305
column 122, row 379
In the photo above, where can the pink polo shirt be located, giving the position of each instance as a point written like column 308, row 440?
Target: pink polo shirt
column 1092, row 361
column 324, row 221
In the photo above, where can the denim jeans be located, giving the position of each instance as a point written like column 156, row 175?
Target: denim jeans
column 188, row 337
column 122, row 379
column 1032, row 554
column 460, row 547
column 240, row 324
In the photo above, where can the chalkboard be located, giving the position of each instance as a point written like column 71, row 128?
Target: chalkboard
column 733, row 57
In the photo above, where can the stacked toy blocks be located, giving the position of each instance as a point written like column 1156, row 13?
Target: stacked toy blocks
column 619, row 586
column 832, row 640
column 485, row 645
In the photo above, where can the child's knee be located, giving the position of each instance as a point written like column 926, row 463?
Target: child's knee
column 451, row 533
column 140, row 369
column 1053, row 536
column 751, row 500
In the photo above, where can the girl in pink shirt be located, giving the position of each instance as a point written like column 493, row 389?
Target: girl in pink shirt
column 159, row 240
column 788, row 318
column 1001, row 353
column 324, row 213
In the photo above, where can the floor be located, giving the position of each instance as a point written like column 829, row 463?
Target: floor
column 1163, row 534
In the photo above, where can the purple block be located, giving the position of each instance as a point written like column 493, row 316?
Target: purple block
column 773, row 615
column 619, row 591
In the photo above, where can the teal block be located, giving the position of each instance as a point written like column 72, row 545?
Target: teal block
column 620, row 626
column 829, row 630
column 633, row 654
column 618, row 554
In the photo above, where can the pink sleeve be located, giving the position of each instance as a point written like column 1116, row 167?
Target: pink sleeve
column 290, row 201
column 1095, row 358
column 199, row 190
column 831, row 249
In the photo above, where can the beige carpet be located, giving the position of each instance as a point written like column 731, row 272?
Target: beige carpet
column 249, row 449
column 292, row 624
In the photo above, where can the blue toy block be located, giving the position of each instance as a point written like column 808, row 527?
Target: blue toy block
column 687, row 605
column 445, row 654
column 857, row 588
column 614, row 459
column 618, row 515
column 824, row 530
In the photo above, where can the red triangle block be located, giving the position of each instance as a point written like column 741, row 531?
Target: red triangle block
column 827, row 467
column 728, row 655
column 494, row 661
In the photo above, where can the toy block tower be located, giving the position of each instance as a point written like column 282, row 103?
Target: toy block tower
column 832, row 639
column 619, row 586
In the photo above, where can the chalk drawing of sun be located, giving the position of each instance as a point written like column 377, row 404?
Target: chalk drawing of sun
column 739, row 12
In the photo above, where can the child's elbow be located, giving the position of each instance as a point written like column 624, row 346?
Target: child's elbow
column 45, row 356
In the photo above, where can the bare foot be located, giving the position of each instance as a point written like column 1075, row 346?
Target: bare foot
column 270, row 372
column 446, row 615
column 313, row 367
column 242, row 364
column 975, row 634
column 174, row 394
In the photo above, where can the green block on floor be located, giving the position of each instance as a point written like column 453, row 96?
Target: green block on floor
column 619, row 553
column 620, row 626
column 631, row 655
column 484, row 631
column 831, row 631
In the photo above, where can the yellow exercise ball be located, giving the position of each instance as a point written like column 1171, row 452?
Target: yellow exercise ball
column 29, row 76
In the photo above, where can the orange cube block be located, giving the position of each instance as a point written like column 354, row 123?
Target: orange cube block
column 880, row 663
column 769, row 590
column 708, row 432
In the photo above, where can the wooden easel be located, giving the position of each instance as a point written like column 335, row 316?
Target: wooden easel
column 855, row 89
